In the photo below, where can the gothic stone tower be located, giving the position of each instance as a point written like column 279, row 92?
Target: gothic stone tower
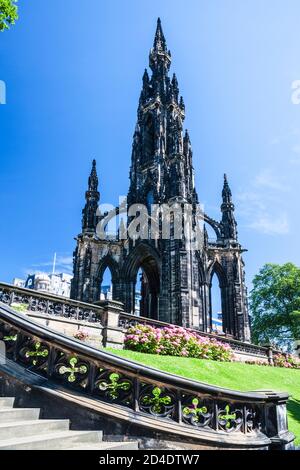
column 176, row 281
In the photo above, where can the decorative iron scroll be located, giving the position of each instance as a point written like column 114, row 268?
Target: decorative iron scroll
column 114, row 387
column 157, row 401
column 197, row 412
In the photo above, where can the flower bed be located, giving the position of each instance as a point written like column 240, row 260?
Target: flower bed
column 175, row 341
column 279, row 360
column 287, row 361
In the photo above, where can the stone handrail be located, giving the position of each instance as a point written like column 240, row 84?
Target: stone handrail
column 50, row 304
column 213, row 413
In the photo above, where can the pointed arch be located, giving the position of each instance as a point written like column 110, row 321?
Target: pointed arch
column 224, row 315
column 108, row 262
column 218, row 269
column 145, row 258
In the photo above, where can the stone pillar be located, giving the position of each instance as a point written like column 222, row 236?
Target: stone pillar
column 275, row 424
column 113, row 335
column 270, row 355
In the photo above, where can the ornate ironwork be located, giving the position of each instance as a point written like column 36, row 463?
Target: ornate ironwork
column 157, row 401
column 113, row 386
column 9, row 336
column 198, row 412
column 230, row 418
column 73, row 370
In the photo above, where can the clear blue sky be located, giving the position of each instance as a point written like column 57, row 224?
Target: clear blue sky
column 73, row 72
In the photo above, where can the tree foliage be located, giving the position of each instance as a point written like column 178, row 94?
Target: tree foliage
column 8, row 13
column 275, row 305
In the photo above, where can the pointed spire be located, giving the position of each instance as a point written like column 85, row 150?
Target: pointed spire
column 181, row 104
column 229, row 225
column 187, row 137
column 174, row 81
column 92, row 196
column 145, row 78
column 226, row 193
column 159, row 44
column 93, row 178
column 175, row 87
column 205, row 236
column 160, row 57
column 187, row 143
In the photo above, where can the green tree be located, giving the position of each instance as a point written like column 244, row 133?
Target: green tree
column 8, row 13
column 275, row 305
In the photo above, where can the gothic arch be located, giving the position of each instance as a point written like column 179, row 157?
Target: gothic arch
column 139, row 255
column 144, row 257
column 218, row 270
column 108, row 262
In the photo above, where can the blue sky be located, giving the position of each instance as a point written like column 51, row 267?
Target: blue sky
column 73, row 75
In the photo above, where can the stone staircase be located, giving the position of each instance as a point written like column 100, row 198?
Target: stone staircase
column 21, row 429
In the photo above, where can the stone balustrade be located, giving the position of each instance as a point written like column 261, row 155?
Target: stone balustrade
column 151, row 397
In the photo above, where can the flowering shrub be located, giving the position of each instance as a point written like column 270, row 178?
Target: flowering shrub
column 175, row 341
column 81, row 335
column 280, row 360
column 287, row 361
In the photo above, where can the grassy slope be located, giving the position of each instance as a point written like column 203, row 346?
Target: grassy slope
column 232, row 375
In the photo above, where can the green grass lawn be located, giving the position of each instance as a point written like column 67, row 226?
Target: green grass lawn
column 233, row 375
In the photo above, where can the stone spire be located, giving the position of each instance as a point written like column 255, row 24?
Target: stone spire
column 161, row 155
column 93, row 178
column 226, row 193
column 92, row 196
column 160, row 56
column 229, row 225
column 160, row 44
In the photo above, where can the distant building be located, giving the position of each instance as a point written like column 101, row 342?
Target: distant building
column 106, row 293
column 217, row 323
column 18, row 282
column 58, row 284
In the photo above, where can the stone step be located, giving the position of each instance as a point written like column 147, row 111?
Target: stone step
column 21, row 429
column 6, row 402
column 108, row 446
column 14, row 429
column 7, row 415
column 53, row 441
